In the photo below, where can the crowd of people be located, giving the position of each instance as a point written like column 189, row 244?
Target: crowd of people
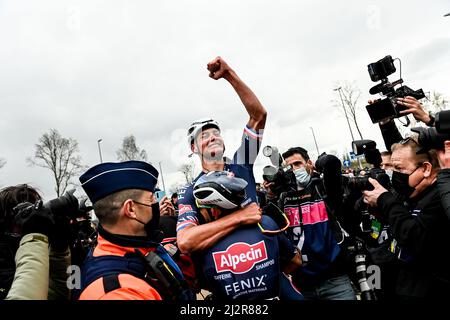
column 310, row 231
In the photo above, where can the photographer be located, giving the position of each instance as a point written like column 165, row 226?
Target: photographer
column 30, row 270
column 168, row 219
column 312, row 210
column 417, row 221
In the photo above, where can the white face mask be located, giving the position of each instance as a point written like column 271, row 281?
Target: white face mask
column 389, row 173
column 302, row 176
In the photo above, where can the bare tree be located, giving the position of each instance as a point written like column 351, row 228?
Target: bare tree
column 187, row 170
column 130, row 151
column 174, row 187
column 437, row 102
column 349, row 95
column 2, row 162
column 60, row 155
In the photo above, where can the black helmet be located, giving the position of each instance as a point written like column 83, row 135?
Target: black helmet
column 220, row 189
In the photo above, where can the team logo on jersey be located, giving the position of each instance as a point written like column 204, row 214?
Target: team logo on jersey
column 240, row 257
column 183, row 208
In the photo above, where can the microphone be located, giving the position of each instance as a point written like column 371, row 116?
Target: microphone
column 376, row 89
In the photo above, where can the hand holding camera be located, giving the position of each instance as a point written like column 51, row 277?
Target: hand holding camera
column 52, row 218
column 371, row 197
column 34, row 218
column 166, row 207
column 389, row 107
column 415, row 108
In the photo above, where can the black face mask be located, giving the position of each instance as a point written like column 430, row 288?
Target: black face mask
column 400, row 183
column 152, row 227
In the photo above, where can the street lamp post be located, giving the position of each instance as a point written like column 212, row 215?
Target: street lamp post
column 100, row 150
column 315, row 141
column 162, row 177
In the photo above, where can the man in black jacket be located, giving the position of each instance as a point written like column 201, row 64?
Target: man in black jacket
column 418, row 223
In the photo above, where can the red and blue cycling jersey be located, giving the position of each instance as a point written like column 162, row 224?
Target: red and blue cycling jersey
column 241, row 166
column 246, row 265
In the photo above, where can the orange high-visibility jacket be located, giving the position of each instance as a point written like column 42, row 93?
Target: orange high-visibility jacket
column 127, row 286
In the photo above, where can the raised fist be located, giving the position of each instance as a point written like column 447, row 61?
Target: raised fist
column 218, row 68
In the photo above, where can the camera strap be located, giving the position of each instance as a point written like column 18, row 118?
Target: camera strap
column 339, row 232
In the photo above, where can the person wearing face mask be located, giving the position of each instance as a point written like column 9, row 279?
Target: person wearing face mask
column 386, row 164
column 314, row 229
column 125, row 205
column 418, row 222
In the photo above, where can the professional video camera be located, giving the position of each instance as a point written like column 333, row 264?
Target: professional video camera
column 434, row 138
column 387, row 108
column 282, row 176
column 373, row 156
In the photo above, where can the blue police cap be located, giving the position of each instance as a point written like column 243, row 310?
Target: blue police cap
column 110, row 177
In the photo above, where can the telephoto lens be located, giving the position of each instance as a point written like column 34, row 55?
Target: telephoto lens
column 366, row 292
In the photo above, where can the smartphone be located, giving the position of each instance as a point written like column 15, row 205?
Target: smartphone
column 159, row 195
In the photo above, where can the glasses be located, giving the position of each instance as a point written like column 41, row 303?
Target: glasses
column 141, row 203
column 264, row 231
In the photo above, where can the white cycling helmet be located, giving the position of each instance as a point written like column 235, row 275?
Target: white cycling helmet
column 220, row 189
column 197, row 126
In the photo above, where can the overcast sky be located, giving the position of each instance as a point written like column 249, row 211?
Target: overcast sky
column 107, row 69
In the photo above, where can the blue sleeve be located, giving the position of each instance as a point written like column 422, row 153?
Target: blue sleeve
column 249, row 148
column 187, row 209
column 287, row 249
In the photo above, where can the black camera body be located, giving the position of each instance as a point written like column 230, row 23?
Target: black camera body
column 65, row 206
column 388, row 108
column 373, row 157
column 362, row 183
column 282, row 176
column 434, row 137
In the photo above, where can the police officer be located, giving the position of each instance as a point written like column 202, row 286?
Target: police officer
column 123, row 198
